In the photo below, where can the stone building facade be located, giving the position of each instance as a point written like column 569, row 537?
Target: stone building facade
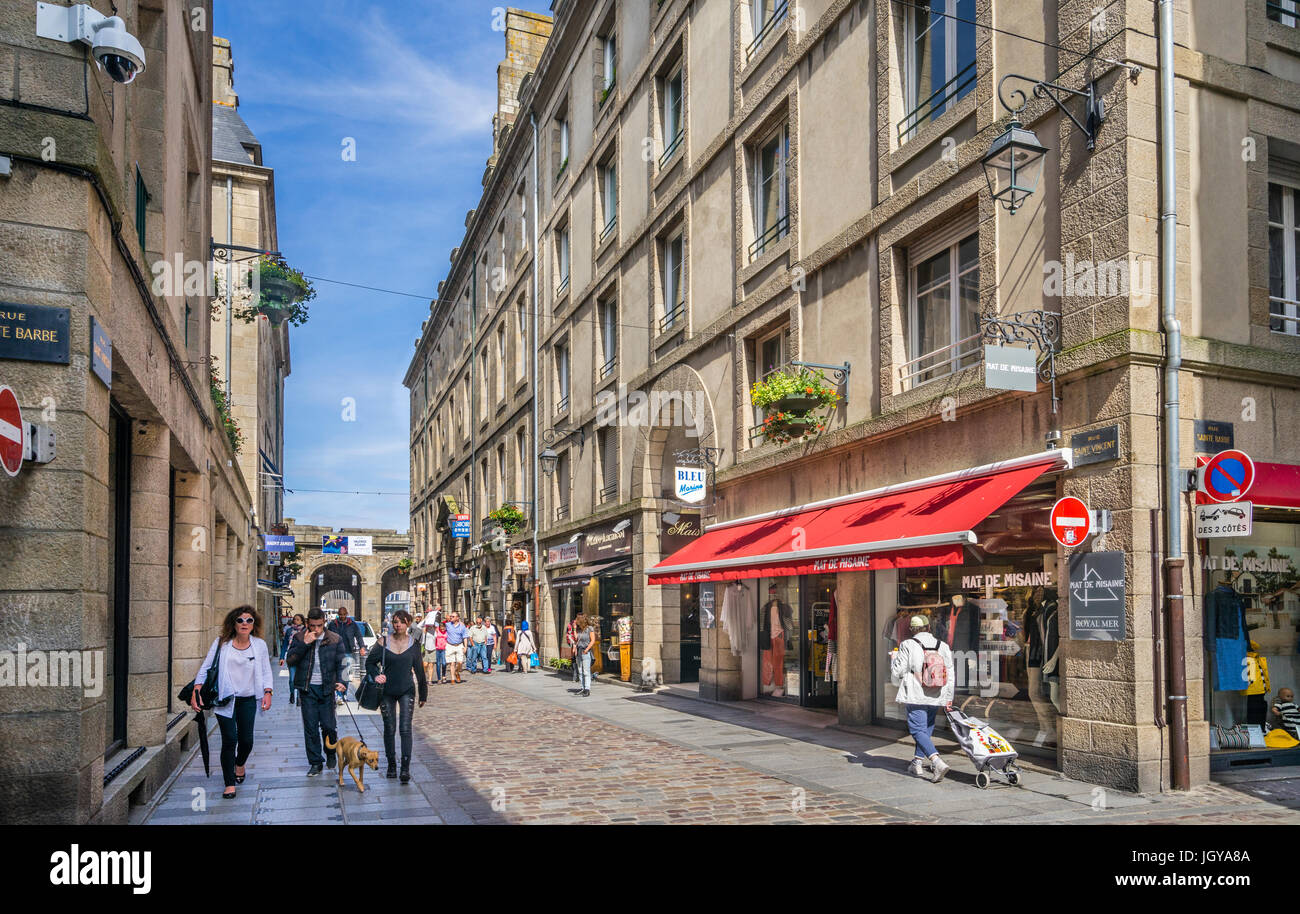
column 254, row 363
column 365, row 583
column 128, row 547
column 727, row 189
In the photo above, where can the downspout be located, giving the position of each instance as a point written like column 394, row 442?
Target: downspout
column 473, row 414
column 230, row 239
column 537, row 255
column 1173, row 481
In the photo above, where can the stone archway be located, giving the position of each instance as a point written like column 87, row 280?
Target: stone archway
column 680, row 417
column 331, row 578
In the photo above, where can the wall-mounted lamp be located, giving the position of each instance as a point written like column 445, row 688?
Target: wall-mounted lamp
column 670, row 517
column 622, row 525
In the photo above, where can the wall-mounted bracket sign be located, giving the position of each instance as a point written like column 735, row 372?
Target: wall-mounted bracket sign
column 34, row 333
column 101, row 353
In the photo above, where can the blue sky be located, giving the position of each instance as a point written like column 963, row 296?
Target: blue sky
column 414, row 83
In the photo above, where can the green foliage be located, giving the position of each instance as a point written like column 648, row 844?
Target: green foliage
column 235, row 436
column 273, row 272
column 558, row 663
column 405, row 565
column 509, row 517
column 781, row 384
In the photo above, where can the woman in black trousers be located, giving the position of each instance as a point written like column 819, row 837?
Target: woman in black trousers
column 402, row 672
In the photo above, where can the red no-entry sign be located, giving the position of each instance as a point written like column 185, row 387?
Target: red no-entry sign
column 1071, row 523
column 1227, row 476
column 11, row 432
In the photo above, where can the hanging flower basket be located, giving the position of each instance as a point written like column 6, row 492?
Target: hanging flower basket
column 798, row 403
column 792, row 401
column 282, row 293
column 509, row 517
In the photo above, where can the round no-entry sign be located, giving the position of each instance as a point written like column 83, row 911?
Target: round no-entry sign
column 11, row 432
column 1071, row 523
column 1228, row 476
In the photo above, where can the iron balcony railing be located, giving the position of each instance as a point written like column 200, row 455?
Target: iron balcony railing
column 608, row 368
column 775, row 232
column 563, row 287
column 777, row 16
column 669, row 320
column 941, row 362
column 671, row 149
column 561, row 512
column 1284, row 315
column 609, row 493
column 609, row 227
column 929, row 107
column 562, row 406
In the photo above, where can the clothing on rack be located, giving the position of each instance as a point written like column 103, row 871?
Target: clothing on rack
column 1230, row 642
column 737, row 619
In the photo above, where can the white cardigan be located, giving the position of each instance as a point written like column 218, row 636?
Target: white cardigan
column 261, row 662
column 905, row 671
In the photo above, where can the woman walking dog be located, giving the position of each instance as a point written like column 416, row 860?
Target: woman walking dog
column 243, row 677
column 397, row 667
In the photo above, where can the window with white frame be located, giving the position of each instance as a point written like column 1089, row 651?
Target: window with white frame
column 562, row 486
column 502, row 480
column 766, row 15
column 562, row 142
column 1284, row 11
column 771, row 190
column 485, row 388
column 500, row 379
column 562, row 257
column 671, row 255
column 499, row 282
column 609, row 195
column 671, row 114
column 561, row 377
column 608, row 66
column 771, row 352
column 521, row 338
column 521, row 202
column 1283, row 263
column 941, row 321
column 521, row 460
column 608, row 316
column 940, row 59
column 608, row 448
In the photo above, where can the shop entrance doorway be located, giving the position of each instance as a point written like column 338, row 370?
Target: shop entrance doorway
column 795, row 624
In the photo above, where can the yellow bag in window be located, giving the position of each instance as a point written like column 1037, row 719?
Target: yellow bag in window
column 1277, row 738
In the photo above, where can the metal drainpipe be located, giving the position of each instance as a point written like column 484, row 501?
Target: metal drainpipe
column 1173, row 564
column 473, row 411
column 230, row 255
column 537, row 256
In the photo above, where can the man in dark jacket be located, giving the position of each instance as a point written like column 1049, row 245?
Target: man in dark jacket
column 316, row 656
column 353, row 644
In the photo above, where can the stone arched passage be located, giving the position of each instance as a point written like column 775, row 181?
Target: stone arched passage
column 684, row 419
column 331, row 577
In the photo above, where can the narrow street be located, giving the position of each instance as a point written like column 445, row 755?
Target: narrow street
column 511, row 749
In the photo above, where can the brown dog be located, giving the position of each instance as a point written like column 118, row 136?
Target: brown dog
column 354, row 756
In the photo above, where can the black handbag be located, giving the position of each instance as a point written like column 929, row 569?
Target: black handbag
column 207, row 694
column 370, row 692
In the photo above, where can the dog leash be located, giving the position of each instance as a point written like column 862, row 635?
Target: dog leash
column 347, row 704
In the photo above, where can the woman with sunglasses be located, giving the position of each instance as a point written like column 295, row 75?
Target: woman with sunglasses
column 243, row 676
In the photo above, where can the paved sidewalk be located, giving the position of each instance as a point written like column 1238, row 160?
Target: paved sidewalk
column 523, row 749
column 781, row 742
column 276, row 790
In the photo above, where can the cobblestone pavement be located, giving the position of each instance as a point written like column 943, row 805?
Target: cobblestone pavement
column 523, row 749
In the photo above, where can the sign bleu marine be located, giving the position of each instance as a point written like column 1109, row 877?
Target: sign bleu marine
column 34, row 333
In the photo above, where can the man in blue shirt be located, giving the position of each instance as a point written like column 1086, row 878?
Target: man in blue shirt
column 456, row 635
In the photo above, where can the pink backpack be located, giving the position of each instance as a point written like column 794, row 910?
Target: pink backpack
column 934, row 674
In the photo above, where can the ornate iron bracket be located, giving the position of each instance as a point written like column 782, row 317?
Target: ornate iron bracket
column 841, row 372
column 1040, row 329
column 223, row 253
column 203, row 360
column 1095, row 106
column 555, row 436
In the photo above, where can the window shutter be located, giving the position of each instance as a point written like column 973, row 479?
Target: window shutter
column 609, row 457
column 942, row 237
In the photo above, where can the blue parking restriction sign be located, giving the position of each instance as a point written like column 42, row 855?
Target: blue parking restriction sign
column 1227, row 476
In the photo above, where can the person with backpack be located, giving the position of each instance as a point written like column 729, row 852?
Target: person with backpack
column 921, row 666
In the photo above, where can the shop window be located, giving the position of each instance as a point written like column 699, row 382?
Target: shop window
column 1001, row 615
column 939, row 60
column 769, row 180
column 1252, row 613
column 1283, row 263
column 941, row 319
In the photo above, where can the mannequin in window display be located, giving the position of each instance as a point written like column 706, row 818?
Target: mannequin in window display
column 1042, row 655
column 957, row 625
column 775, row 628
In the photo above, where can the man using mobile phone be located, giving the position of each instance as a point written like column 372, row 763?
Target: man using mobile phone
column 316, row 656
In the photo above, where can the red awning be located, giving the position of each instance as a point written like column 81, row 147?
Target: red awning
column 926, row 522
column 1276, row 485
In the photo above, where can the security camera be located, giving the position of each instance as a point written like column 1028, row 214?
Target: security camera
column 116, row 50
